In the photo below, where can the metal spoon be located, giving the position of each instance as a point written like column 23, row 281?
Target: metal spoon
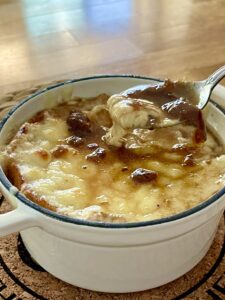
column 198, row 92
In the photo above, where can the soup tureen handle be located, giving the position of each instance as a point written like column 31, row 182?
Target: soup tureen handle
column 16, row 220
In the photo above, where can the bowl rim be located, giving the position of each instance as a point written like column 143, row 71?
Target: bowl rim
column 6, row 183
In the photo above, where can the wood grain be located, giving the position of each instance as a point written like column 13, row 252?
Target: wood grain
column 49, row 40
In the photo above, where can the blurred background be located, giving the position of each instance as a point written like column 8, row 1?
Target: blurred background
column 44, row 40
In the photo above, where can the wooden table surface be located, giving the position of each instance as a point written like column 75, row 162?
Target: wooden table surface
column 46, row 40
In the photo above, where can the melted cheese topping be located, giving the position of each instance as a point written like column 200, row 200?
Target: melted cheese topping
column 127, row 115
column 59, row 176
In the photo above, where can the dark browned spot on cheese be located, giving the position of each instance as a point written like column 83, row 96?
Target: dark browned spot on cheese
column 43, row 154
column 92, row 146
column 75, row 141
column 124, row 169
column 24, row 129
column 189, row 160
column 141, row 175
column 97, row 155
column 60, row 151
column 38, row 117
column 79, row 123
column 14, row 175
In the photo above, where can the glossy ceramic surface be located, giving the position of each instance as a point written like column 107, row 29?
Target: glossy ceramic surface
column 109, row 257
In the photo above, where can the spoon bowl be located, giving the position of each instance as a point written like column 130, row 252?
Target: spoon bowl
column 195, row 92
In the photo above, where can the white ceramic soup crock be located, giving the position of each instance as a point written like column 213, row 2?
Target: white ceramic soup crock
column 102, row 256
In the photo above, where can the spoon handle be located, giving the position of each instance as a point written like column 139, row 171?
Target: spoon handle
column 213, row 79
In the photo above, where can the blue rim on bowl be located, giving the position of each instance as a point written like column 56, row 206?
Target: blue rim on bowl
column 77, row 221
